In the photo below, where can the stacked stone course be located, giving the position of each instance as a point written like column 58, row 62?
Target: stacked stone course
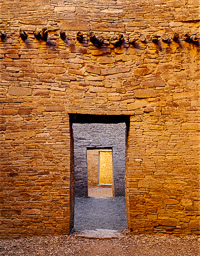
column 42, row 84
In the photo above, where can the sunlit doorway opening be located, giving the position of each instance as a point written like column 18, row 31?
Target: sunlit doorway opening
column 100, row 172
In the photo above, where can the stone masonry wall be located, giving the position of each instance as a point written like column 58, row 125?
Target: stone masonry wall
column 93, row 167
column 99, row 136
column 156, row 83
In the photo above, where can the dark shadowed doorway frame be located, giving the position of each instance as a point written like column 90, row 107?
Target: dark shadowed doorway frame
column 82, row 118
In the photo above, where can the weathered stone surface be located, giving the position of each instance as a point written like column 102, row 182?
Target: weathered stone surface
column 19, row 91
column 148, row 110
column 168, row 222
column 41, row 92
column 65, row 8
column 144, row 93
column 42, row 83
column 142, row 71
column 11, row 112
column 31, row 212
column 10, row 213
column 55, row 108
column 93, row 69
column 154, row 82
column 120, row 27
column 24, row 111
column 171, row 201
column 116, row 70
column 191, row 126
column 194, row 224
column 138, row 104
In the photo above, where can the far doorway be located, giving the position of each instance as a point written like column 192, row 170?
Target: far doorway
column 100, row 172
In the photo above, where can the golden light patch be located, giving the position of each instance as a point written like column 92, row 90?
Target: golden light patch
column 106, row 167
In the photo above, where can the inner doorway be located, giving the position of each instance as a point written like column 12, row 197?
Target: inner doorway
column 106, row 134
column 100, row 172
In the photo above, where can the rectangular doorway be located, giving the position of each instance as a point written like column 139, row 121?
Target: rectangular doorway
column 102, row 138
column 100, row 172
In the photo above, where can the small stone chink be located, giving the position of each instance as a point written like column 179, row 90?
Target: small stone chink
column 23, row 35
column 3, row 36
column 191, row 21
column 13, row 174
column 98, row 42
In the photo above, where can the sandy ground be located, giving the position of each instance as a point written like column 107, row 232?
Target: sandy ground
column 99, row 192
column 126, row 245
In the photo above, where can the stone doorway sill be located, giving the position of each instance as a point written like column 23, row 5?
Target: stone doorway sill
column 99, row 234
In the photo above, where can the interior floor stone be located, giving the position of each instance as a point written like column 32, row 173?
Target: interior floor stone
column 99, row 234
column 100, row 213
column 100, row 192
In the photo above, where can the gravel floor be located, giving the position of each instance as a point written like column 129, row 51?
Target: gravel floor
column 100, row 213
column 127, row 245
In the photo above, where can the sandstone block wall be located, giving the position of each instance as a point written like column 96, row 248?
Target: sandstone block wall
column 42, row 83
column 92, row 167
column 99, row 136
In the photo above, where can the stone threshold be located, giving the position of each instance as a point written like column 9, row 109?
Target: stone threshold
column 98, row 234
